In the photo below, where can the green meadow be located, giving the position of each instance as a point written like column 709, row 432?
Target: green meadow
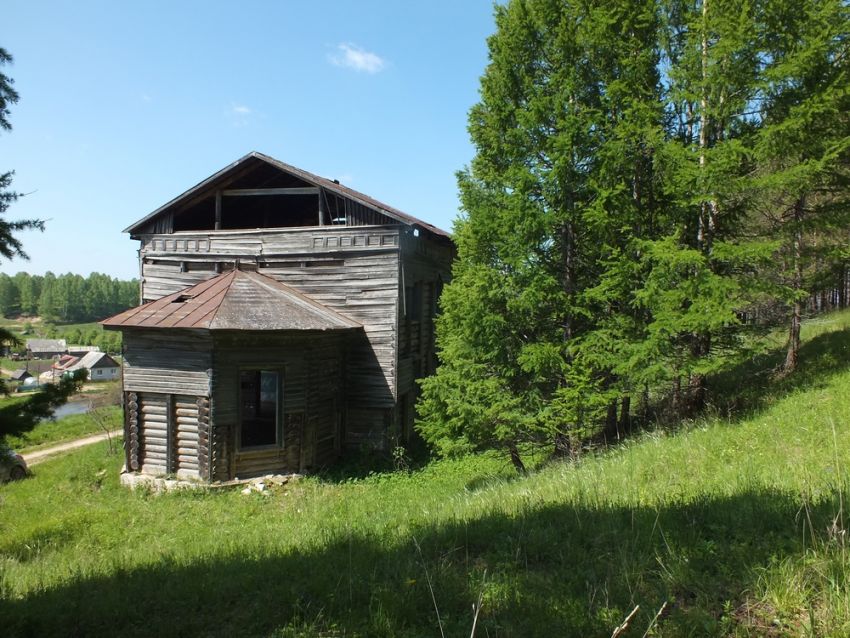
column 730, row 526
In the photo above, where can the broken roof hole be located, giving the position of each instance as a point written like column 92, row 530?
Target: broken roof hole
column 182, row 298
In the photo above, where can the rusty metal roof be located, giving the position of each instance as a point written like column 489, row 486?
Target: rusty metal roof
column 315, row 180
column 236, row 300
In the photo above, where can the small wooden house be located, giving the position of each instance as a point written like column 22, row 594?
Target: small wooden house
column 99, row 366
column 45, row 348
column 284, row 318
column 20, row 375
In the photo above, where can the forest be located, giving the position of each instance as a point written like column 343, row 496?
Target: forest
column 656, row 186
column 66, row 298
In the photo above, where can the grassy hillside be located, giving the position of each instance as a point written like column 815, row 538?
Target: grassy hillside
column 738, row 525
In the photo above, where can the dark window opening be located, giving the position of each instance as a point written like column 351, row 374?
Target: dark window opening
column 259, row 407
column 413, row 301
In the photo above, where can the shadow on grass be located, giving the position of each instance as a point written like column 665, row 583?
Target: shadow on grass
column 552, row 571
column 751, row 385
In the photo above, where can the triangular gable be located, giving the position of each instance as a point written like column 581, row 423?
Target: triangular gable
column 226, row 175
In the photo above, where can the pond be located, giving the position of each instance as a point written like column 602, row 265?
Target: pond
column 72, row 407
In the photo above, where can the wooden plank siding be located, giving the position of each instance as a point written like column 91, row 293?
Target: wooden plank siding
column 311, row 368
column 353, row 270
column 425, row 267
column 167, row 362
column 355, row 387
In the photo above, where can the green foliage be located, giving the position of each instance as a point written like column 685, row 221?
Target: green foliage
column 10, row 245
column 548, row 201
column 612, row 240
column 18, row 417
column 66, row 298
column 54, row 432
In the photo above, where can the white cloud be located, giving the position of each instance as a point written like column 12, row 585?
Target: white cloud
column 146, row 97
column 240, row 115
column 354, row 57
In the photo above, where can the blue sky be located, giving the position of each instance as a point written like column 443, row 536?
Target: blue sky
column 126, row 105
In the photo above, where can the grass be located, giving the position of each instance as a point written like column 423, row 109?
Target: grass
column 61, row 430
column 22, row 438
column 737, row 524
column 35, row 366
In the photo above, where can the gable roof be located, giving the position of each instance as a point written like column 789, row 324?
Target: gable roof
column 236, row 300
column 310, row 178
column 46, row 345
column 93, row 360
column 20, row 375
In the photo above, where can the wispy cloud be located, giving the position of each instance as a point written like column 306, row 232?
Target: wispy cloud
column 146, row 97
column 351, row 56
column 240, row 114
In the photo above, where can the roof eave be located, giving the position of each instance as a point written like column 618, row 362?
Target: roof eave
column 310, row 178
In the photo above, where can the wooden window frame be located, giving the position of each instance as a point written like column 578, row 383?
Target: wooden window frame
column 279, row 431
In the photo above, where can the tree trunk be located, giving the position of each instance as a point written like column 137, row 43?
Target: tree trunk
column 611, row 432
column 697, row 382
column 677, row 395
column 625, row 414
column 517, row 460
column 793, row 352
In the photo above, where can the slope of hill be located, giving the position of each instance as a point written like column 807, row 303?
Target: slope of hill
column 733, row 527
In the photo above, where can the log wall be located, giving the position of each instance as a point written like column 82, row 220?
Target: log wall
column 311, row 366
column 354, row 270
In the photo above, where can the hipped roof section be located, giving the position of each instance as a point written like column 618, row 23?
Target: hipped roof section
column 236, row 300
column 212, row 182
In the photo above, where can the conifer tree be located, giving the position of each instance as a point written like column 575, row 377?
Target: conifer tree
column 803, row 149
column 702, row 271
column 562, row 147
column 10, row 245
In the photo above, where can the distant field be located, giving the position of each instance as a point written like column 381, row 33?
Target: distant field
column 17, row 324
column 734, row 527
column 33, row 365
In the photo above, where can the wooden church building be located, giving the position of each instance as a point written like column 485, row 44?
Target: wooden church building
column 284, row 317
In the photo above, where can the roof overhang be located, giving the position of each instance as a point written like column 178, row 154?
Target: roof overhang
column 222, row 176
column 234, row 301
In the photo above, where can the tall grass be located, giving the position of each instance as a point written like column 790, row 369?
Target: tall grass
column 739, row 525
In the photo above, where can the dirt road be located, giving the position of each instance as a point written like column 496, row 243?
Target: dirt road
column 41, row 455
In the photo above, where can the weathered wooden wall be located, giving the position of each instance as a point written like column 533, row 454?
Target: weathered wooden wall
column 354, row 270
column 425, row 267
column 311, row 366
column 171, row 362
column 167, row 380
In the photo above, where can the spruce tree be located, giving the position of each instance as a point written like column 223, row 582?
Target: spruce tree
column 803, row 149
column 702, row 271
column 10, row 245
column 563, row 135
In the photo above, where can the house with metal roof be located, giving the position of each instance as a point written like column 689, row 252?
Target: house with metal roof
column 285, row 319
column 98, row 365
column 20, row 375
column 45, row 348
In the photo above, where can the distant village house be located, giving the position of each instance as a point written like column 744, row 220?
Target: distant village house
column 20, row 375
column 45, row 348
column 99, row 366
